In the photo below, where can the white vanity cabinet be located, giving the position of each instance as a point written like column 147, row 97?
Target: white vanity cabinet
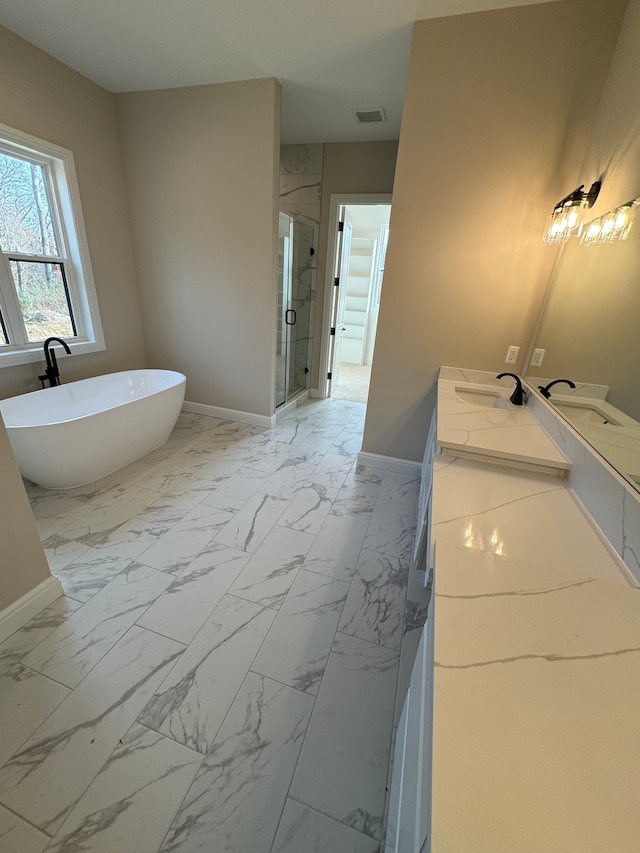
column 410, row 798
column 535, row 627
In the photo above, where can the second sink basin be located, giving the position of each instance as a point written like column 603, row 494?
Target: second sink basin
column 584, row 413
column 485, row 399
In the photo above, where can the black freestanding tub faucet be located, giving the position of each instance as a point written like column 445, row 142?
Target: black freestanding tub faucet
column 52, row 374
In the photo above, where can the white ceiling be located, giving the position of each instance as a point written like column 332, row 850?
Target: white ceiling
column 331, row 56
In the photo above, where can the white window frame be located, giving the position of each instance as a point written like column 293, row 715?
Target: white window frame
column 66, row 213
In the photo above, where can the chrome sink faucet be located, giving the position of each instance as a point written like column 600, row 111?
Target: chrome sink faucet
column 519, row 396
column 52, row 374
column 545, row 390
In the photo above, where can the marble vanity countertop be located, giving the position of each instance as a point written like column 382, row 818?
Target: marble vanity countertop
column 536, row 741
column 476, row 418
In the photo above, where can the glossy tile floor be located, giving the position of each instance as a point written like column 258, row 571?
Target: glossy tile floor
column 221, row 672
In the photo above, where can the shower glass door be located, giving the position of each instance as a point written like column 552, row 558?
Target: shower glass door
column 295, row 307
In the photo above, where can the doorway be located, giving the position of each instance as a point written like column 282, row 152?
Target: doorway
column 361, row 228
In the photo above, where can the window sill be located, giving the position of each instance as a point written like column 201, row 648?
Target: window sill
column 28, row 355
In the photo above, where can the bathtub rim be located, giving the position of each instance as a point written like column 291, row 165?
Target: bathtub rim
column 51, row 423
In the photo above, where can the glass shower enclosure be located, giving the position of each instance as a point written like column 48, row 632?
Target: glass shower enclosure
column 295, row 307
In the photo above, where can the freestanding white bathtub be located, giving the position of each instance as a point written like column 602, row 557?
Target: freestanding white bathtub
column 74, row 434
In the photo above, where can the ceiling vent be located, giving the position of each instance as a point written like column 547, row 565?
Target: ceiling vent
column 368, row 116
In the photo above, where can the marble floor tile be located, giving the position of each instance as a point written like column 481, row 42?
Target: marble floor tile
column 348, row 443
column 402, row 488
column 20, row 643
column 168, row 510
column 304, row 830
column 308, row 508
column 375, row 605
column 190, row 705
column 61, row 552
column 34, row 696
column 356, row 497
column 181, row 611
column 54, row 505
column 255, row 536
column 213, row 461
column 134, row 536
column 86, row 576
column 94, row 524
column 332, row 470
column 289, row 478
column 391, row 529
column 298, row 645
column 342, row 769
column 107, row 490
column 73, row 649
column 234, row 490
column 129, row 805
column 251, row 762
column 16, row 836
column 269, row 574
column 182, row 543
column 365, row 474
column 178, row 480
column 46, row 777
column 250, row 526
column 267, row 456
column 336, row 548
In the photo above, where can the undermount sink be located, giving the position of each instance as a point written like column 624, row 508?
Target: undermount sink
column 582, row 413
column 486, row 399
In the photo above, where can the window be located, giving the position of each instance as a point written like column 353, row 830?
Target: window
column 46, row 284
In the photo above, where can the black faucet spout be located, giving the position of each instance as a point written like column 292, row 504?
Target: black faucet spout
column 52, row 374
column 545, row 390
column 519, row 396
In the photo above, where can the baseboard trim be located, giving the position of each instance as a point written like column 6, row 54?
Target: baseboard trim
column 390, row 463
column 229, row 414
column 29, row 605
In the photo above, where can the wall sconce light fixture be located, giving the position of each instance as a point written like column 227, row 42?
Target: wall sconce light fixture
column 567, row 216
column 611, row 226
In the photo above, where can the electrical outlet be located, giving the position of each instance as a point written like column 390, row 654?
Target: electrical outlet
column 512, row 355
column 536, row 357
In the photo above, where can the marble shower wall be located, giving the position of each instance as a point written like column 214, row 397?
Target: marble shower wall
column 300, row 196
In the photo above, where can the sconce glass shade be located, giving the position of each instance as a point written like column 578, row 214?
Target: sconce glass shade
column 568, row 214
column 565, row 222
column 611, row 226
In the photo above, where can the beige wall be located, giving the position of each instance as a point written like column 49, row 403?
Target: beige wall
column 202, row 167
column 614, row 147
column 40, row 96
column 495, row 126
column 590, row 330
column 348, row 167
column 23, row 564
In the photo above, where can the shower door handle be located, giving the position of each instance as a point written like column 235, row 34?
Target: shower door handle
column 286, row 317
